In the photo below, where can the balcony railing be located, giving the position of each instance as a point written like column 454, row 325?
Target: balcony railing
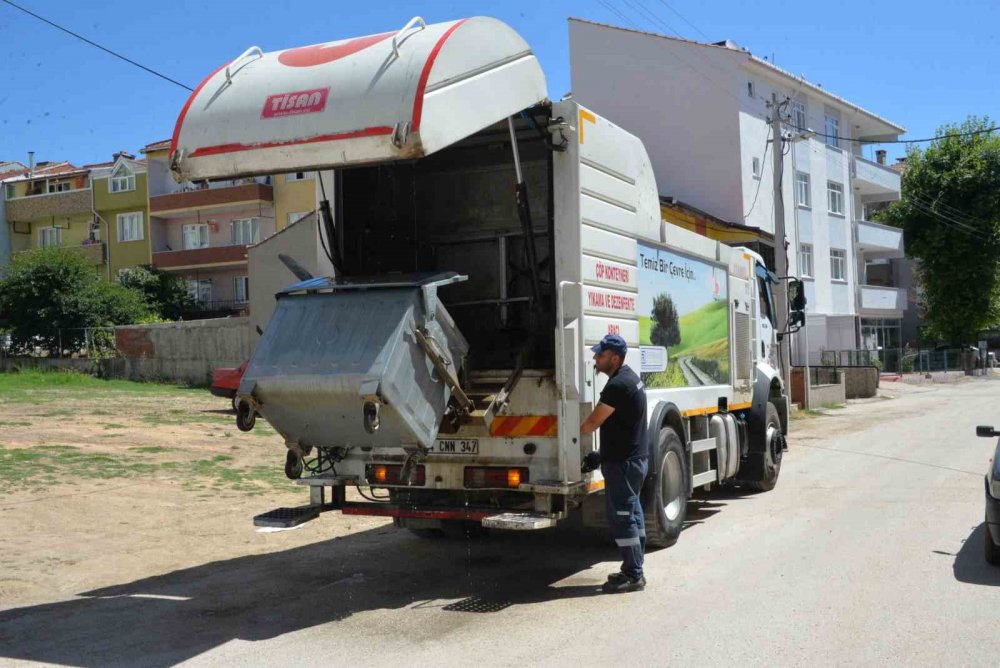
column 193, row 257
column 66, row 203
column 879, row 241
column 95, row 251
column 876, row 182
column 878, row 301
column 211, row 198
column 219, row 305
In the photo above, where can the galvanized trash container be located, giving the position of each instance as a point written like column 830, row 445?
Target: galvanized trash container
column 335, row 345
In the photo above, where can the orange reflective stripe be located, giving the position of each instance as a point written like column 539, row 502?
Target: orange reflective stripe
column 524, row 425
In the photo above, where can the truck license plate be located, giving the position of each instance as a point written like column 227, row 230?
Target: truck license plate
column 453, row 446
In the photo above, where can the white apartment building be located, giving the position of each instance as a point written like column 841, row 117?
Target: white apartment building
column 702, row 112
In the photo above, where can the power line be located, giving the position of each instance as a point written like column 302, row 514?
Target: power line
column 946, row 222
column 95, row 44
column 955, row 215
column 897, row 141
column 697, row 29
column 760, row 179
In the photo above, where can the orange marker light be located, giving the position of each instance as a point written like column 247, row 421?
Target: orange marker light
column 513, row 477
column 380, row 473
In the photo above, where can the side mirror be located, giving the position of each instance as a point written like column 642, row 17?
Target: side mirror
column 986, row 432
column 796, row 295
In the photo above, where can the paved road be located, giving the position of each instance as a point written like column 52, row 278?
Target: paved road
column 867, row 552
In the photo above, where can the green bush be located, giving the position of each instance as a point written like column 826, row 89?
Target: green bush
column 51, row 296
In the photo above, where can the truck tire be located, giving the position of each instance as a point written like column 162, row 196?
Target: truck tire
column 991, row 551
column 666, row 490
column 773, row 450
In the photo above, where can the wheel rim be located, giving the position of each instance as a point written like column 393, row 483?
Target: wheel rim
column 775, row 444
column 671, row 475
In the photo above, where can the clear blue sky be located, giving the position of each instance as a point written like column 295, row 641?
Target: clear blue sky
column 916, row 62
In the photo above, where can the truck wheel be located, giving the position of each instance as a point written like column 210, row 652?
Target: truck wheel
column 990, row 549
column 774, row 448
column 293, row 465
column 665, row 499
column 245, row 416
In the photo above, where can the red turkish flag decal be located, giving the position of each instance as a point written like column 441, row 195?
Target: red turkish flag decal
column 307, row 56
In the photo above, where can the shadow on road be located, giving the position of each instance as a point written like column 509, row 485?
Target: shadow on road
column 169, row 618
column 970, row 566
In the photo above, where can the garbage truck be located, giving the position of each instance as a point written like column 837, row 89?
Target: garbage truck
column 483, row 238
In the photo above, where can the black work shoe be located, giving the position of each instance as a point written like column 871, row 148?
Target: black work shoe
column 623, row 584
column 617, row 578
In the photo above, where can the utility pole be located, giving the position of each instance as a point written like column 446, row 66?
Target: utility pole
column 780, row 255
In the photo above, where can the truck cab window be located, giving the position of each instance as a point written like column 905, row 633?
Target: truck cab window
column 765, row 296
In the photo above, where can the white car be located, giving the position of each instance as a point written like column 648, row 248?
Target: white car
column 991, row 537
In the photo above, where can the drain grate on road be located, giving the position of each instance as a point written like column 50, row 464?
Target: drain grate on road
column 476, row 604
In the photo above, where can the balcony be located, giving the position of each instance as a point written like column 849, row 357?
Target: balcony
column 874, row 182
column 210, row 199
column 66, row 203
column 880, row 302
column 877, row 241
column 200, row 257
column 94, row 252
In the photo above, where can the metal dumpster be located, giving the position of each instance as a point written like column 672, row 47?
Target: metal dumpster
column 348, row 362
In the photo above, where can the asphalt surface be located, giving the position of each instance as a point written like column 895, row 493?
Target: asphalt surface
column 869, row 551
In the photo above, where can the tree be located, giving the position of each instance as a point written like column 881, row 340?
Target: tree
column 666, row 325
column 49, row 296
column 950, row 217
column 165, row 293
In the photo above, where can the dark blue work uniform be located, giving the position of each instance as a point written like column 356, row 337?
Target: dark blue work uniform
column 624, row 463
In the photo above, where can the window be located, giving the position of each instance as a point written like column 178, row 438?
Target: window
column 832, row 131
column 298, row 176
column 241, row 288
column 756, row 167
column 59, row 187
column 195, row 236
column 200, row 290
column 835, row 197
column 122, row 180
column 764, row 296
column 803, row 194
column 838, row 262
column 799, row 116
column 296, row 216
column 806, row 260
column 246, row 231
column 50, row 236
column 130, row 226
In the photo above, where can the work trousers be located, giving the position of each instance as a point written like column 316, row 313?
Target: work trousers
column 622, row 484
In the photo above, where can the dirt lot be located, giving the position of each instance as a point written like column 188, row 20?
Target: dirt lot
column 102, row 482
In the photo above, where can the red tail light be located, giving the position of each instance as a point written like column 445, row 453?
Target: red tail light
column 386, row 474
column 494, row 476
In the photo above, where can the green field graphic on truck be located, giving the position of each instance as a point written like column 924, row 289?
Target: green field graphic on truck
column 683, row 320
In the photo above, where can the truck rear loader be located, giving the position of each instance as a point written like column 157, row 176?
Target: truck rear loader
column 484, row 237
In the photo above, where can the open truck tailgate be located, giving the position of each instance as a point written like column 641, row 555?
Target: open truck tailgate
column 396, row 95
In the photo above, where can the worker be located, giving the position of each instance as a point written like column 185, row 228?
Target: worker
column 623, row 458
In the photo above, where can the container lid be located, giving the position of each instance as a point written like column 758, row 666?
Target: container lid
column 395, row 95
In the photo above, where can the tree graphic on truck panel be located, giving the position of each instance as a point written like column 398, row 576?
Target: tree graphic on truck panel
column 666, row 330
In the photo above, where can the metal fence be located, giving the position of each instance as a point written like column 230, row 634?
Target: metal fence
column 69, row 342
column 905, row 360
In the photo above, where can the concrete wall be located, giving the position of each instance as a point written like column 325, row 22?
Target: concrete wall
column 860, row 382
column 268, row 275
column 690, row 129
column 181, row 352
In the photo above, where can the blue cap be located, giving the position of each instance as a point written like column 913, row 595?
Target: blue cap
column 611, row 342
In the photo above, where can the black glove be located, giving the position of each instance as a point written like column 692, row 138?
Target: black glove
column 591, row 462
